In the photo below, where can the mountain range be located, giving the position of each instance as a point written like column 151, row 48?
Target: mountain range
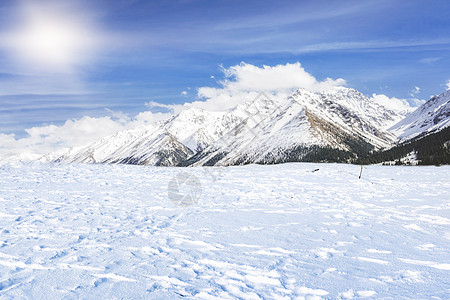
column 334, row 126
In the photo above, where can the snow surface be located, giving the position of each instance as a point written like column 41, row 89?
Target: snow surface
column 256, row 232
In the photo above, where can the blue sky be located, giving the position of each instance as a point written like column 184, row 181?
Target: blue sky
column 97, row 58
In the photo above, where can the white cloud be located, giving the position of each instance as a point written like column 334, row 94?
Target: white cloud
column 414, row 91
column 148, row 117
column 394, row 104
column 247, row 77
column 397, row 104
column 414, row 101
column 183, row 93
column 448, row 84
column 72, row 133
column 244, row 81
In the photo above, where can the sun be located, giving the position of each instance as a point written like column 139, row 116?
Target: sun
column 52, row 40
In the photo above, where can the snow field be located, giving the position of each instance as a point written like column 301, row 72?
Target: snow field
column 253, row 232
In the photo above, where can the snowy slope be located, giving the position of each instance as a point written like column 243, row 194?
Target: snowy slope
column 279, row 131
column 285, row 231
column 260, row 130
column 197, row 128
column 378, row 115
column 178, row 138
column 433, row 115
column 146, row 145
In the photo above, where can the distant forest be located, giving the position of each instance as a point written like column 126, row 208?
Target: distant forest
column 432, row 149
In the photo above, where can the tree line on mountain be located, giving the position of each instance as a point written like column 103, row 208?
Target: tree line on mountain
column 432, row 149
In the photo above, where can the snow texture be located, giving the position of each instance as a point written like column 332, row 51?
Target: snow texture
column 305, row 231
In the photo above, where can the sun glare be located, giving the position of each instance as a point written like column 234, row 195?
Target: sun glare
column 54, row 41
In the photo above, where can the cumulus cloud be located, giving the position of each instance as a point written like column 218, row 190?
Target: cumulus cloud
column 244, row 81
column 395, row 104
column 247, row 77
column 448, row 84
column 45, row 139
column 400, row 105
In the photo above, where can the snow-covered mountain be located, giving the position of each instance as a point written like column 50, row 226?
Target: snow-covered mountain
column 149, row 145
column 305, row 126
column 432, row 116
column 165, row 143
